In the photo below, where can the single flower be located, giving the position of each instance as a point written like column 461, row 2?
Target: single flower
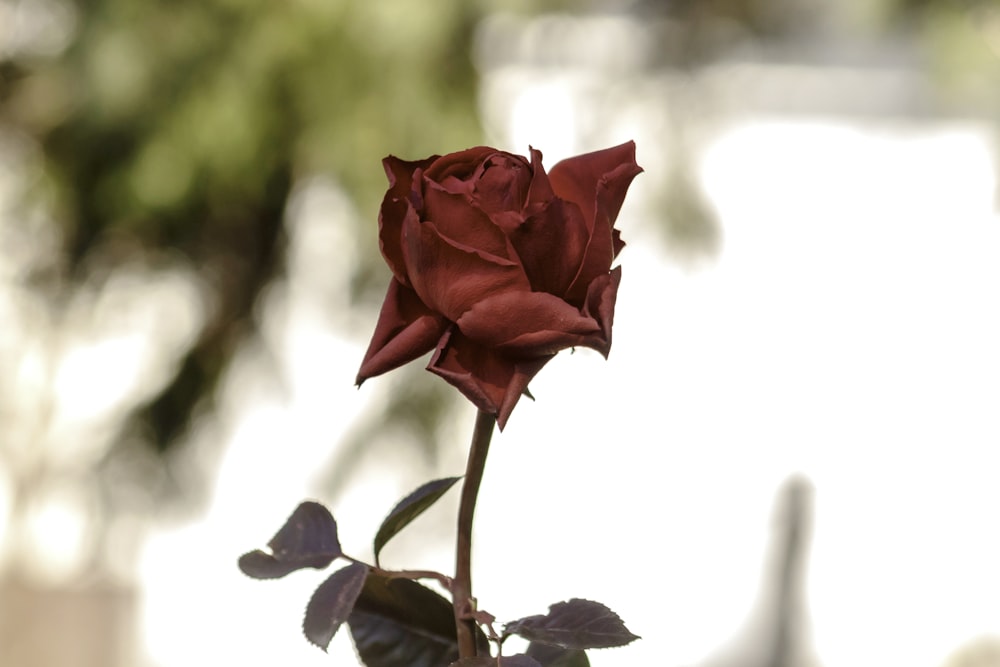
column 498, row 265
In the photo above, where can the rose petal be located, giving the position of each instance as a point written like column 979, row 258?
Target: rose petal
column 613, row 188
column 460, row 221
column 540, row 192
column 502, row 184
column 493, row 382
column 406, row 329
column 396, row 206
column 597, row 258
column 450, row 278
column 617, row 243
column 581, row 177
column 391, row 219
column 400, row 173
column 601, row 299
column 552, row 245
column 461, row 165
column 577, row 178
column 528, row 324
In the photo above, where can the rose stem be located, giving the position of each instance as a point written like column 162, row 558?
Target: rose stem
column 462, row 585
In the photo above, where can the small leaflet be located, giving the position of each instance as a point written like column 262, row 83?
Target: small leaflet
column 409, row 508
column 308, row 539
column 576, row 624
column 331, row 604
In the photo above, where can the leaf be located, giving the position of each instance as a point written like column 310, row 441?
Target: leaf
column 577, row 624
column 518, row 660
column 557, row 656
column 409, row 508
column 308, row 539
column 331, row 603
column 399, row 623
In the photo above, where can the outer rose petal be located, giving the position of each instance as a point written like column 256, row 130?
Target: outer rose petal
column 596, row 260
column 528, row 324
column 451, row 278
column 391, row 220
column 400, row 174
column 395, row 207
column 598, row 182
column 576, row 179
column 406, row 329
column 493, row 382
column 611, row 192
column 601, row 299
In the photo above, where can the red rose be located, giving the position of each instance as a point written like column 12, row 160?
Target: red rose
column 497, row 265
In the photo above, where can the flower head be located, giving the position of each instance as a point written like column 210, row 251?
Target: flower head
column 498, row 265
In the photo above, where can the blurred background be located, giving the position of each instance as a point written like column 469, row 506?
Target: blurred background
column 790, row 459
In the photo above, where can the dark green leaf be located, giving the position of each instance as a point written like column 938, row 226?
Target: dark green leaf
column 332, row 603
column 577, row 624
column 399, row 623
column 409, row 508
column 505, row 661
column 556, row 656
column 519, row 661
column 308, row 539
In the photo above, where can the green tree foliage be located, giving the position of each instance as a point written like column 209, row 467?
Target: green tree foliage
column 182, row 126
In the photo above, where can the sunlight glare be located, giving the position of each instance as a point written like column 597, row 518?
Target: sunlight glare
column 56, row 532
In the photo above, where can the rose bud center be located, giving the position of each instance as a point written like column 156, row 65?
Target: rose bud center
column 503, row 184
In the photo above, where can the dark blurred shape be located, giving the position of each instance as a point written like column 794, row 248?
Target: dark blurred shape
column 692, row 225
column 777, row 632
column 789, row 640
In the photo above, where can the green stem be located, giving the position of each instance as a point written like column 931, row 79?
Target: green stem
column 461, row 593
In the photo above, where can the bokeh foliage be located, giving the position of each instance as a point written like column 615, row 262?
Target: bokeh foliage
column 181, row 128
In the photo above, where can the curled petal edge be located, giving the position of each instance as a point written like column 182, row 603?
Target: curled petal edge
column 493, row 382
column 406, row 329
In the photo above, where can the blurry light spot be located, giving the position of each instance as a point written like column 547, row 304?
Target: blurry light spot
column 320, row 220
column 56, row 531
column 990, row 28
column 35, row 27
column 544, row 116
column 32, row 372
column 555, row 82
column 120, row 341
column 94, row 378
column 119, row 73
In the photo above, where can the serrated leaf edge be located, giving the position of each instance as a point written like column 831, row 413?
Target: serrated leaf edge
column 429, row 492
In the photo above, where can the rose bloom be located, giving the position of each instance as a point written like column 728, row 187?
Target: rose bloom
column 497, row 266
